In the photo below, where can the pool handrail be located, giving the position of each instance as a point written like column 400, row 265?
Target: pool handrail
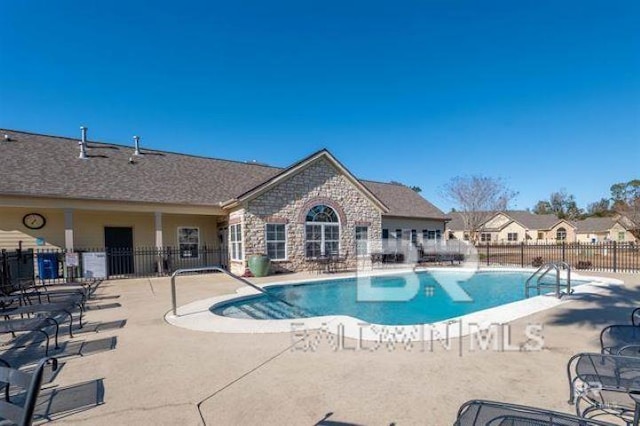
column 550, row 266
column 218, row 268
column 215, row 268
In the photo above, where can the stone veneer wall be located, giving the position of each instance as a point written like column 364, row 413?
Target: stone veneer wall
column 289, row 202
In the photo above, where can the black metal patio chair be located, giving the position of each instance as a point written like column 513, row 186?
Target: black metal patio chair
column 18, row 408
column 491, row 413
column 603, row 384
column 32, row 325
column 620, row 339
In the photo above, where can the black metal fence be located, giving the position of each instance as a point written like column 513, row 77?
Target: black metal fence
column 52, row 265
column 610, row 256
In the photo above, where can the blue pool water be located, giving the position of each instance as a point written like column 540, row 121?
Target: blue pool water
column 431, row 302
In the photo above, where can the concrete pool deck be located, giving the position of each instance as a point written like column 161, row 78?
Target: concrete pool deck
column 156, row 373
column 198, row 316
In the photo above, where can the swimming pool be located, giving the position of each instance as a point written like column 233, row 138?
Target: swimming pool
column 340, row 297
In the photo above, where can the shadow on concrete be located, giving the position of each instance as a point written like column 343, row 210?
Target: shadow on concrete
column 327, row 422
column 96, row 327
column 102, row 306
column 56, row 402
column 612, row 306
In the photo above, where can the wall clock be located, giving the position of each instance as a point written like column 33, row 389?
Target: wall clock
column 34, row 221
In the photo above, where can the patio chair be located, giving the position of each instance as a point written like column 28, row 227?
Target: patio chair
column 32, row 325
column 50, row 309
column 602, row 384
column 18, row 408
column 619, row 337
column 490, row 413
column 30, row 291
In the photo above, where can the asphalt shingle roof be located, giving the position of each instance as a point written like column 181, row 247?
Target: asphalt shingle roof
column 596, row 224
column 49, row 166
column 403, row 201
column 43, row 165
column 527, row 219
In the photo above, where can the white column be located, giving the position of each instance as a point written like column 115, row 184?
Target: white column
column 68, row 229
column 158, row 227
column 159, row 244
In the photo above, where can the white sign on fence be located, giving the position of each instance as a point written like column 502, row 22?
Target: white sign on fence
column 71, row 259
column 94, row 265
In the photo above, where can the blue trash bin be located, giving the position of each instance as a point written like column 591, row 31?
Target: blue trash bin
column 48, row 266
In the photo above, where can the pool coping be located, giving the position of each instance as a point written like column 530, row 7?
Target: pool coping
column 198, row 316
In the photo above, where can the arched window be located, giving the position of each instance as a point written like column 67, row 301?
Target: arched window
column 322, row 232
column 561, row 234
column 322, row 213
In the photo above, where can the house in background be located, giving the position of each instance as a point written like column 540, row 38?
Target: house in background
column 515, row 226
column 59, row 192
column 598, row 229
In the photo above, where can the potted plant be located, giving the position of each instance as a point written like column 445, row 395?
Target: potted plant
column 259, row 264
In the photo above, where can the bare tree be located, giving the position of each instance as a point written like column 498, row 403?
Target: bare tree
column 626, row 202
column 476, row 198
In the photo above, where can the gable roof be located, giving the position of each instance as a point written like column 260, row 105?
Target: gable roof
column 297, row 167
column 525, row 218
column 601, row 224
column 39, row 165
column 535, row 221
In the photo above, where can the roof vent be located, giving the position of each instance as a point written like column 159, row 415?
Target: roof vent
column 136, row 141
column 83, row 144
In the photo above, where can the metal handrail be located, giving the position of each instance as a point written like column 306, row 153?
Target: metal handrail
column 205, row 269
column 174, row 308
column 550, row 266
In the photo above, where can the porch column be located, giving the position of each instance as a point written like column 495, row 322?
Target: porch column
column 68, row 229
column 158, row 227
column 159, row 244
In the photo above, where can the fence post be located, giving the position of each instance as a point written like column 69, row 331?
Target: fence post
column 615, row 256
column 522, row 254
column 564, row 246
column 487, row 253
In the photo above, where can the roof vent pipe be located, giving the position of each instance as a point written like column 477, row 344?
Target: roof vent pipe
column 136, row 141
column 83, row 144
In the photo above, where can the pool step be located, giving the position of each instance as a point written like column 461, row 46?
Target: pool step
column 264, row 310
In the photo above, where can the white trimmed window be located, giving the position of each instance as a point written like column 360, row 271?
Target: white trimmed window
column 485, row 237
column 512, row 236
column 621, row 235
column 561, row 234
column 188, row 241
column 235, row 241
column 276, row 240
column 362, row 240
column 322, row 232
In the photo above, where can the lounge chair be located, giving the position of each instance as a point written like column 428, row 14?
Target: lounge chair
column 602, row 384
column 619, row 338
column 491, row 413
column 50, row 309
column 21, row 414
column 31, row 325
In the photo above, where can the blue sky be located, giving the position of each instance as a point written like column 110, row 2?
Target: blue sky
column 544, row 94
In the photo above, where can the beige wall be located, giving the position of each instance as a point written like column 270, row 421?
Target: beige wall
column 12, row 230
column 571, row 232
column 88, row 227
column 514, row 227
column 610, row 235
